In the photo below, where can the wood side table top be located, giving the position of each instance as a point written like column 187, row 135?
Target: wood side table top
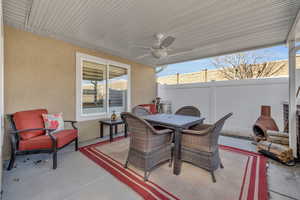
column 111, row 122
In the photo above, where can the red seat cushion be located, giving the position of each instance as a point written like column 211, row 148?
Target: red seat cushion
column 39, row 142
column 44, row 141
column 30, row 119
column 65, row 136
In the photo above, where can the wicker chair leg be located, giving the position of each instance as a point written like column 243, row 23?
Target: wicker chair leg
column 126, row 164
column 213, row 176
column 171, row 159
column 146, row 175
column 170, row 162
column 221, row 165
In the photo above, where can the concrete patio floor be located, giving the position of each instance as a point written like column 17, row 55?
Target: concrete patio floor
column 78, row 178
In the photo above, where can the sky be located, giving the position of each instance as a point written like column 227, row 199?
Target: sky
column 274, row 53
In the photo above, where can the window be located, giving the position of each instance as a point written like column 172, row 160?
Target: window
column 103, row 86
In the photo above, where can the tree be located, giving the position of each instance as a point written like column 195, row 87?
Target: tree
column 246, row 65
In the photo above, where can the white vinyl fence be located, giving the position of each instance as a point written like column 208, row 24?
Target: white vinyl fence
column 242, row 97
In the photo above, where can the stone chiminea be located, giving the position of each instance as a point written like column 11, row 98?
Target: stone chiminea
column 263, row 123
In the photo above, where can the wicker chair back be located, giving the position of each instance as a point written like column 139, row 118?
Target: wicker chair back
column 189, row 111
column 140, row 111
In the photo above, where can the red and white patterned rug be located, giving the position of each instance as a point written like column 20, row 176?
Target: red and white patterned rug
column 244, row 175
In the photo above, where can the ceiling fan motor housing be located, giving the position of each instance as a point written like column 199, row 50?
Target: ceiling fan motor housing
column 159, row 53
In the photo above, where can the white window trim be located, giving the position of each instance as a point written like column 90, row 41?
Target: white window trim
column 79, row 58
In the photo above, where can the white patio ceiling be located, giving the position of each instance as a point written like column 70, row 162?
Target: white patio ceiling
column 206, row 28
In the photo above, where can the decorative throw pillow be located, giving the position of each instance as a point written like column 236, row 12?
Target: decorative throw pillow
column 54, row 121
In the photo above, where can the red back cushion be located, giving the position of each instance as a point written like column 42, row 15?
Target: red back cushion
column 30, row 119
column 150, row 107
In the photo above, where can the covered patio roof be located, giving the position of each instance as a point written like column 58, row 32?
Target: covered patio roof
column 205, row 29
column 54, row 79
column 201, row 30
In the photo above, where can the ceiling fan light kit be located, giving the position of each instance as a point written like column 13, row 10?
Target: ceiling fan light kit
column 159, row 53
column 160, row 47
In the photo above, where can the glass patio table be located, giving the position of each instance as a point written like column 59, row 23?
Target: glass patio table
column 178, row 123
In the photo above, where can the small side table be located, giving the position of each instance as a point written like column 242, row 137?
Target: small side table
column 111, row 124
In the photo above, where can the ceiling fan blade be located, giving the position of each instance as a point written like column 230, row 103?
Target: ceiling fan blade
column 167, row 42
column 177, row 52
column 154, row 62
column 143, row 56
column 140, row 46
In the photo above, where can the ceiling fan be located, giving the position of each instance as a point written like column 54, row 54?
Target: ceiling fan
column 160, row 48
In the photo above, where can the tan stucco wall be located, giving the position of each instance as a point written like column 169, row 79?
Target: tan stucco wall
column 40, row 73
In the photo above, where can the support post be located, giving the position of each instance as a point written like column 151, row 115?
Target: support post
column 292, row 97
column 177, row 78
column 205, row 75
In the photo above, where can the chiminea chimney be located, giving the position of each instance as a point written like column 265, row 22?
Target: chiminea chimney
column 264, row 122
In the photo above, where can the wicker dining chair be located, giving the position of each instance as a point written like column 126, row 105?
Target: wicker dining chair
column 148, row 147
column 140, row 111
column 200, row 145
column 189, row 111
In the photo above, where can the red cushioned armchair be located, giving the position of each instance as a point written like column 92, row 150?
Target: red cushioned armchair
column 28, row 135
column 151, row 107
